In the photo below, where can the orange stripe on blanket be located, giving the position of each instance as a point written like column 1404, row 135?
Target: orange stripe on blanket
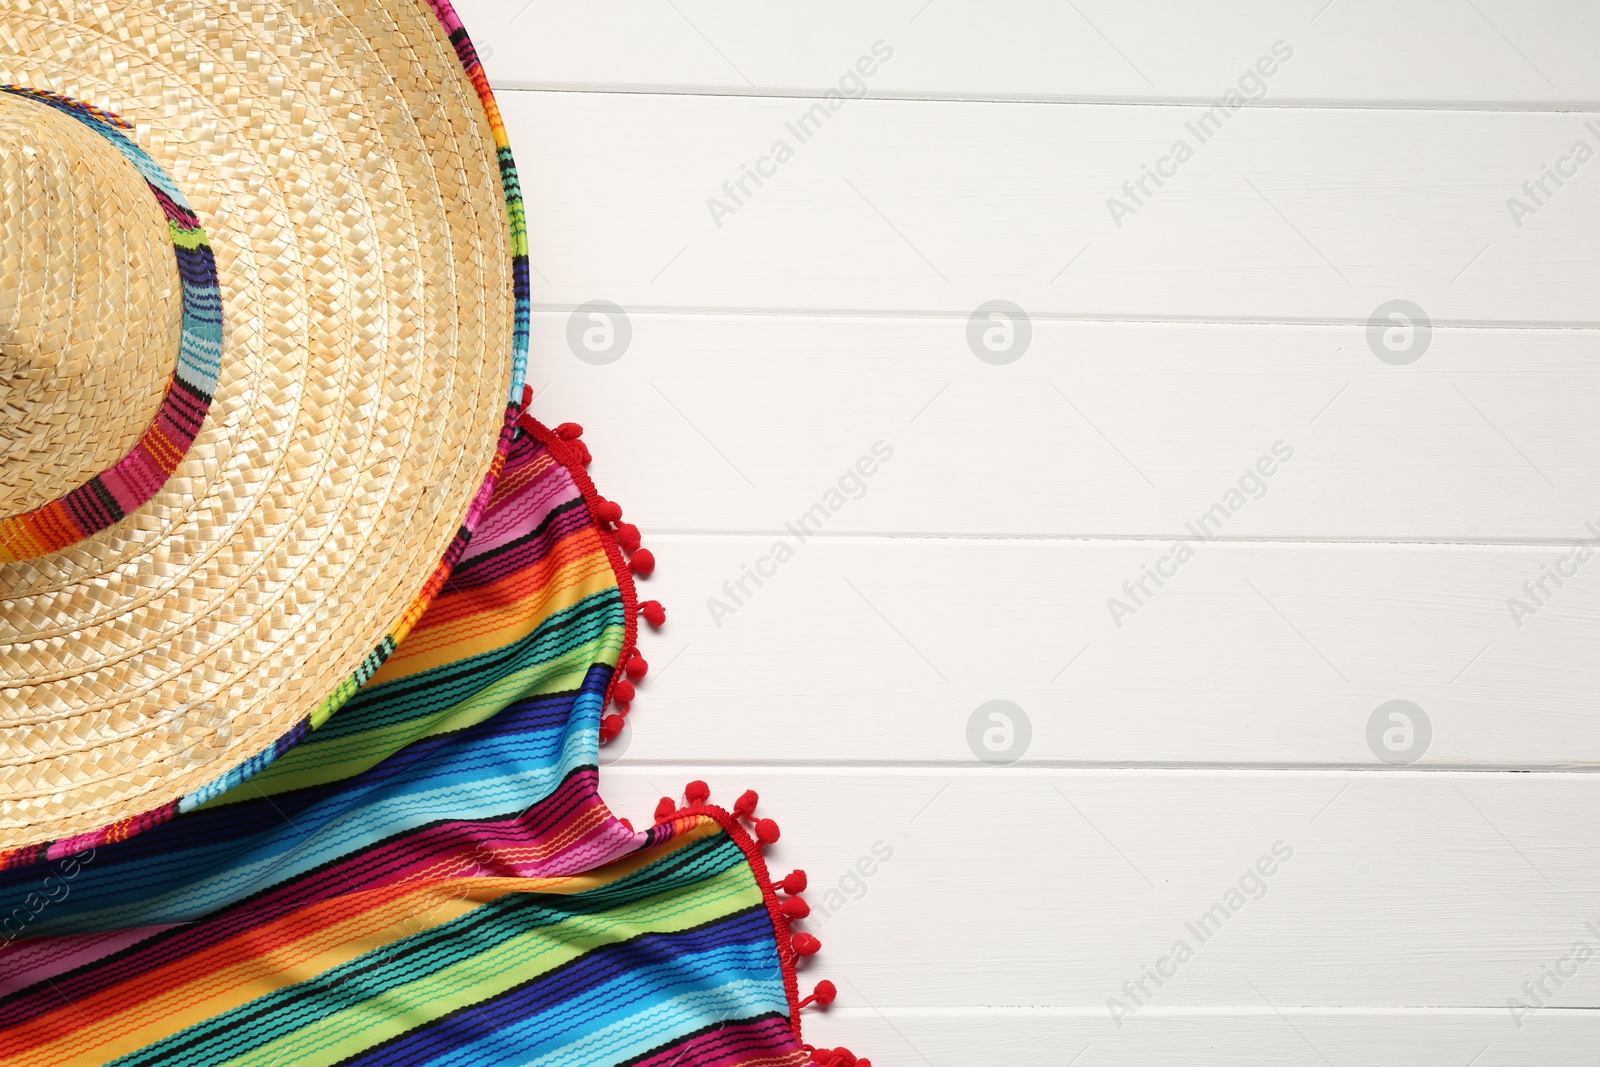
column 486, row 631
column 477, row 636
column 576, row 550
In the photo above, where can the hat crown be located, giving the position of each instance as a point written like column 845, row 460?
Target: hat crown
column 90, row 304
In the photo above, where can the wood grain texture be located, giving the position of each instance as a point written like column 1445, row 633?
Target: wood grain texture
column 773, row 343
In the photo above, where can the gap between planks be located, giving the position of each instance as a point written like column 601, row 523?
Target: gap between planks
column 859, row 314
column 1049, row 768
column 1098, row 1012
column 668, row 534
column 1491, row 107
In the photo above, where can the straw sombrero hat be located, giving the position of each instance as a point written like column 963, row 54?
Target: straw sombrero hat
column 263, row 304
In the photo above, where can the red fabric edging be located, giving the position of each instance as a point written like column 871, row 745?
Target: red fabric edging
column 780, row 922
column 565, row 446
column 784, row 934
column 572, row 458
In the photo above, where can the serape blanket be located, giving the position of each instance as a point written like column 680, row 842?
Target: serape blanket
column 430, row 877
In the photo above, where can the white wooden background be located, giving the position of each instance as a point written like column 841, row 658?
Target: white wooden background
column 1229, row 312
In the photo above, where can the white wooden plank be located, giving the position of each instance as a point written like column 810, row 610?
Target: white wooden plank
column 883, row 649
column 1490, row 53
column 711, row 423
column 1282, row 214
column 1051, row 889
column 1226, row 1038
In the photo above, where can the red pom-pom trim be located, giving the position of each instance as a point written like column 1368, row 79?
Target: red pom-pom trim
column 623, row 692
column 697, row 792
column 824, row 994
column 837, row 1057
column 664, row 807
column 608, row 511
column 653, row 613
column 745, row 806
column 643, row 562
column 628, row 537
column 766, row 831
column 797, row 945
column 569, row 431
column 610, row 727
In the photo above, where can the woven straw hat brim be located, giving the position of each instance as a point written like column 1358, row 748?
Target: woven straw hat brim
column 351, row 174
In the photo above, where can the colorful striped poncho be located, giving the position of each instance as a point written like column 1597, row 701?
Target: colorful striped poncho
column 431, row 877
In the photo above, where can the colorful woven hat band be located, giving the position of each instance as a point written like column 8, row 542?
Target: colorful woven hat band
column 112, row 494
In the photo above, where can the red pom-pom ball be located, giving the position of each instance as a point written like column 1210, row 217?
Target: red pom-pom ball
column 623, row 692
column 796, row 908
column 637, row 667
column 745, row 806
column 805, row 945
column 793, row 882
column 697, row 792
column 628, row 537
column 610, row 727
column 643, row 562
column 653, row 612
column 608, row 511
column 766, row 831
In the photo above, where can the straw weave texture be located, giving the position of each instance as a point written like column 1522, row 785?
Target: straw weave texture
column 80, row 236
column 346, row 175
